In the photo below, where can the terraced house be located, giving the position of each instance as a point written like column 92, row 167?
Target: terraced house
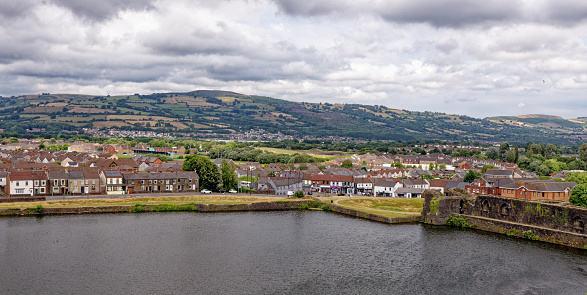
column 162, row 182
column 27, row 183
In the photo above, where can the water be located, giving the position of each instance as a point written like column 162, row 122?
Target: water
column 272, row 253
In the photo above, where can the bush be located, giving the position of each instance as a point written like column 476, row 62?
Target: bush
column 579, row 195
column 457, row 221
column 39, row 208
column 298, row 194
column 530, row 235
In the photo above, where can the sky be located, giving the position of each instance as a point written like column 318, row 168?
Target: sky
column 476, row 58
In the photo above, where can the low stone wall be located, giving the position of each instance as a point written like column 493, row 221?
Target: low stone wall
column 261, row 206
column 372, row 217
column 555, row 222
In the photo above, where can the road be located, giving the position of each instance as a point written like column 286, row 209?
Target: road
column 150, row 195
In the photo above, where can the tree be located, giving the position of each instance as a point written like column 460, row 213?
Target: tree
column 207, row 171
column 578, row 177
column 347, row 164
column 229, row 180
column 492, row 153
column 577, row 165
column 579, row 195
column 583, row 152
column 487, row 166
column 472, row 175
column 503, row 149
column 551, row 151
column 510, row 156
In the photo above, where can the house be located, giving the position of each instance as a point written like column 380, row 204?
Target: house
column 406, row 192
column 76, row 182
column 32, row 182
column 438, row 184
column 333, row 183
column 416, row 183
column 281, row 186
column 188, row 181
column 386, row 188
column 3, row 175
column 364, row 186
column 497, row 173
column 112, row 180
column 58, row 182
column 538, row 190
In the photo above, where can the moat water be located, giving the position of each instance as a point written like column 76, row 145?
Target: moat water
column 289, row 252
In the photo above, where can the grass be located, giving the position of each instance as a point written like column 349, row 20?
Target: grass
column 388, row 207
column 149, row 201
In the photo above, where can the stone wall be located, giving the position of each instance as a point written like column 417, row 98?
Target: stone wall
column 261, row 206
column 372, row 217
column 554, row 222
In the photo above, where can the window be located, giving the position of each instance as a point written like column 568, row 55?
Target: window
column 17, row 183
column 19, row 191
column 43, row 183
column 55, row 189
column 150, row 181
column 42, row 190
column 63, row 182
column 36, row 183
column 26, row 183
column 55, row 182
column 75, row 182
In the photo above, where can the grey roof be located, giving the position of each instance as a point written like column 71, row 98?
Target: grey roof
column 112, row 174
column 457, row 184
column 76, row 175
column 58, row 174
column 404, row 190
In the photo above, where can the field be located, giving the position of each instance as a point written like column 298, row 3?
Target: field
column 388, row 207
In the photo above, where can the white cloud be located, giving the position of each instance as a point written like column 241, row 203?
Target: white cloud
column 454, row 56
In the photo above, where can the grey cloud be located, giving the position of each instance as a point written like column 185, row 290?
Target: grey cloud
column 565, row 11
column 99, row 10
column 450, row 13
column 15, row 8
column 310, row 8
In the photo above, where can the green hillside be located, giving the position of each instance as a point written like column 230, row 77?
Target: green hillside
column 222, row 112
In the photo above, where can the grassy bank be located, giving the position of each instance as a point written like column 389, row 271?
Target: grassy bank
column 388, row 207
column 212, row 199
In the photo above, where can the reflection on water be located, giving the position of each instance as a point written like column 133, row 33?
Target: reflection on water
column 272, row 253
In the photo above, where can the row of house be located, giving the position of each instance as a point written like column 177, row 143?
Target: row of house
column 95, row 181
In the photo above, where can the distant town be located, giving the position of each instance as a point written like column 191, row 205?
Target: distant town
column 40, row 168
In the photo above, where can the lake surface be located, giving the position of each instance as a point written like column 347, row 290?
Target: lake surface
column 291, row 252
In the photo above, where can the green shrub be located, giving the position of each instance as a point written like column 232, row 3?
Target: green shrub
column 303, row 207
column 530, row 235
column 39, row 208
column 137, row 208
column 325, row 208
column 281, row 202
column 457, row 221
column 298, row 194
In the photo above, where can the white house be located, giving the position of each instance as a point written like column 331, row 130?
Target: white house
column 386, row 188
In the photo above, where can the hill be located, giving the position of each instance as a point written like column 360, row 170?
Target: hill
column 224, row 112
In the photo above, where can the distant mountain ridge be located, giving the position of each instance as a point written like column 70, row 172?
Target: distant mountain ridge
column 223, row 112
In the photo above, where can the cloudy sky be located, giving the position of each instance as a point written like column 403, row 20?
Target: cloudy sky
column 478, row 58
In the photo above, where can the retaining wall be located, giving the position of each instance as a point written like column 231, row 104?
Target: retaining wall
column 555, row 222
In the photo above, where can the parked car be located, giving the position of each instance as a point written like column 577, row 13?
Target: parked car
column 221, row 191
column 205, row 191
column 232, row 191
